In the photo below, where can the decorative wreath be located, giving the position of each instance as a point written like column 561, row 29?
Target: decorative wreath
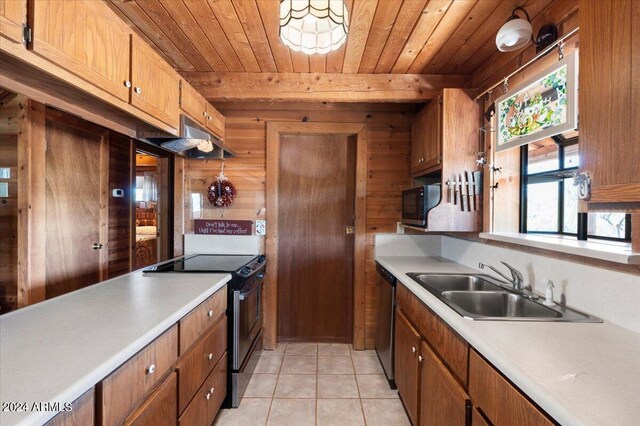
column 221, row 192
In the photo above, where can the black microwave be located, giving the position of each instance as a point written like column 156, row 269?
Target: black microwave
column 416, row 203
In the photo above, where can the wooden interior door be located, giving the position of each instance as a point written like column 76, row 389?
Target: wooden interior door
column 76, row 182
column 316, row 188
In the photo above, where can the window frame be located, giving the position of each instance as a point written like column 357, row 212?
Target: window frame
column 562, row 144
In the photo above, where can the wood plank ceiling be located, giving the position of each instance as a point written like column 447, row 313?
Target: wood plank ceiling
column 385, row 36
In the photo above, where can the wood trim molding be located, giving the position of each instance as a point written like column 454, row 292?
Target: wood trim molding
column 178, row 206
column 31, row 204
column 635, row 233
column 321, row 87
column 270, row 304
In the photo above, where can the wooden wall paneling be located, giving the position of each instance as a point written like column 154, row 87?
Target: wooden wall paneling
column 120, row 229
column 405, row 21
column 229, row 20
column 165, row 200
column 635, row 229
column 179, row 197
column 429, row 19
column 360, row 21
column 198, row 37
column 440, row 36
column 31, row 204
column 382, row 25
column 270, row 16
column 319, row 87
column 11, row 107
column 13, row 15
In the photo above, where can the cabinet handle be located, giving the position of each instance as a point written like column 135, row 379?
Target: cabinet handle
column 209, row 117
column 204, row 113
column 210, row 357
column 419, row 358
column 138, row 90
column 210, row 313
column 413, row 349
column 127, row 84
column 151, row 369
column 97, row 246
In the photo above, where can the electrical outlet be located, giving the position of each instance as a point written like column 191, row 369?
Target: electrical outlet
column 261, row 227
column 5, row 173
column 4, row 190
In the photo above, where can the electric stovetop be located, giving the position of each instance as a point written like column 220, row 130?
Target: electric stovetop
column 205, row 263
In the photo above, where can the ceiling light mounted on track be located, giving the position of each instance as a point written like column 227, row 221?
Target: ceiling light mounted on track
column 515, row 33
column 313, row 26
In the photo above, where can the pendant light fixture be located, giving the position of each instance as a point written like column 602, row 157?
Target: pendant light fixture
column 515, row 33
column 313, row 26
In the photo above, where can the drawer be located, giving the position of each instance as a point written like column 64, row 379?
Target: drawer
column 81, row 413
column 499, row 400
column 124, row 388
column 208, row 399
column 196, row 322
column 194, row 367
column 452, row 348
column 160, row 409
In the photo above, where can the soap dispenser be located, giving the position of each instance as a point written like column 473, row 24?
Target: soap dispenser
column 548, row 295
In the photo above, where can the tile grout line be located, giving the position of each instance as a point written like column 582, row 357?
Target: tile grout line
column 353, row 365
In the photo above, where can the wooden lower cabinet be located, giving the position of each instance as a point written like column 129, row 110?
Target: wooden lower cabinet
column 442, row 400
column 407, row 342
column 499, row 400
column 208, row 399
column 161, row 408
column 81, row 413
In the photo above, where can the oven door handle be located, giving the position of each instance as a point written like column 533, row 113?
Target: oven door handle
column 243, row 296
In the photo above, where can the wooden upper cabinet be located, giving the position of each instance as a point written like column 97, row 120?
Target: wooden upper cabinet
column 13, row 16
column 426, row 138
column 442, row 399
column 193, row 103
column 407, row 342
column 86, row 38
column 156, row 86
column 198, row 108
column 609, row 101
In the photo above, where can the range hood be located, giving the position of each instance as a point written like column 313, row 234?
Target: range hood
column 194, row 142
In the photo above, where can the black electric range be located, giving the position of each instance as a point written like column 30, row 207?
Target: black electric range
column 244, row 311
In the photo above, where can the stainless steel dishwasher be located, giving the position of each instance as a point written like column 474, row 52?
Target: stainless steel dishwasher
column 386, row 295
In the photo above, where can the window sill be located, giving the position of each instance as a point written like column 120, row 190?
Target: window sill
column 611, row 251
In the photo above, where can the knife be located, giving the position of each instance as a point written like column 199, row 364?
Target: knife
column 471, row 190
column 477, row 180
column 463, row 193
column 456, row 189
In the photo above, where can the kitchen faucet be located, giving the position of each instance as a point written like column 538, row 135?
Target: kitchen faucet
column 516, row 277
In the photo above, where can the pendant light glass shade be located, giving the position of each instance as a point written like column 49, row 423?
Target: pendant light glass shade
column 313, row 26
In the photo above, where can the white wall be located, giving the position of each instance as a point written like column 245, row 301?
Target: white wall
column 613, row 296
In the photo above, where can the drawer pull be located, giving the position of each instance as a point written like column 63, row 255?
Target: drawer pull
column 210, row 313
column 151, row 369
column 138, row 90
column 208, row 396
column 210, row 357
column 413, row 349
column 212, row 389
column 127, row 84
column 419, row 358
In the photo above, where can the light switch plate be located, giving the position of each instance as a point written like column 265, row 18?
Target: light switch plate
column 261, row 227
column 5, row 173
column 4, row 189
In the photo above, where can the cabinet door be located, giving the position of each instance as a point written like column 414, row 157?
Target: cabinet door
column 192, row 103
column 609, row 101
column 160, row 409
column 442, row 399
column 215, row 121
column 156, row 86
column 407, row 364
column 13, row 15
column 86, row 38
column 426, row 138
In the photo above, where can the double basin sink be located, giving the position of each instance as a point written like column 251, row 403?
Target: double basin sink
column 481, row 297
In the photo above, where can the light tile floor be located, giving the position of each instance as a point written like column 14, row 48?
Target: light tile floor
column 317, row 384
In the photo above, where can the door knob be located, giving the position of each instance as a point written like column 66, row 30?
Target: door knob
column 348, row 230
column 97, row 246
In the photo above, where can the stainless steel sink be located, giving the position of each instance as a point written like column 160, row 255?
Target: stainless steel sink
column 498, row 304
column 482, row 297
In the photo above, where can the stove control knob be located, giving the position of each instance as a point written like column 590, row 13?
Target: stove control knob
column 245, row 271
column 261, row 259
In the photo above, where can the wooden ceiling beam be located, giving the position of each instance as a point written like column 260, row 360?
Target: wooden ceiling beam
column 321, row 87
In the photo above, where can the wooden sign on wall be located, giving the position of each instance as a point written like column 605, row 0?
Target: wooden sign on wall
column 223, row 227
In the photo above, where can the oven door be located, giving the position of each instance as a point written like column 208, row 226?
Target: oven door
column 247, row 322
column 413, row 211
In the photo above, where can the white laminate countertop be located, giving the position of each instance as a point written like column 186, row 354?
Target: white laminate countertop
column 56, row 350
column 579, row 373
